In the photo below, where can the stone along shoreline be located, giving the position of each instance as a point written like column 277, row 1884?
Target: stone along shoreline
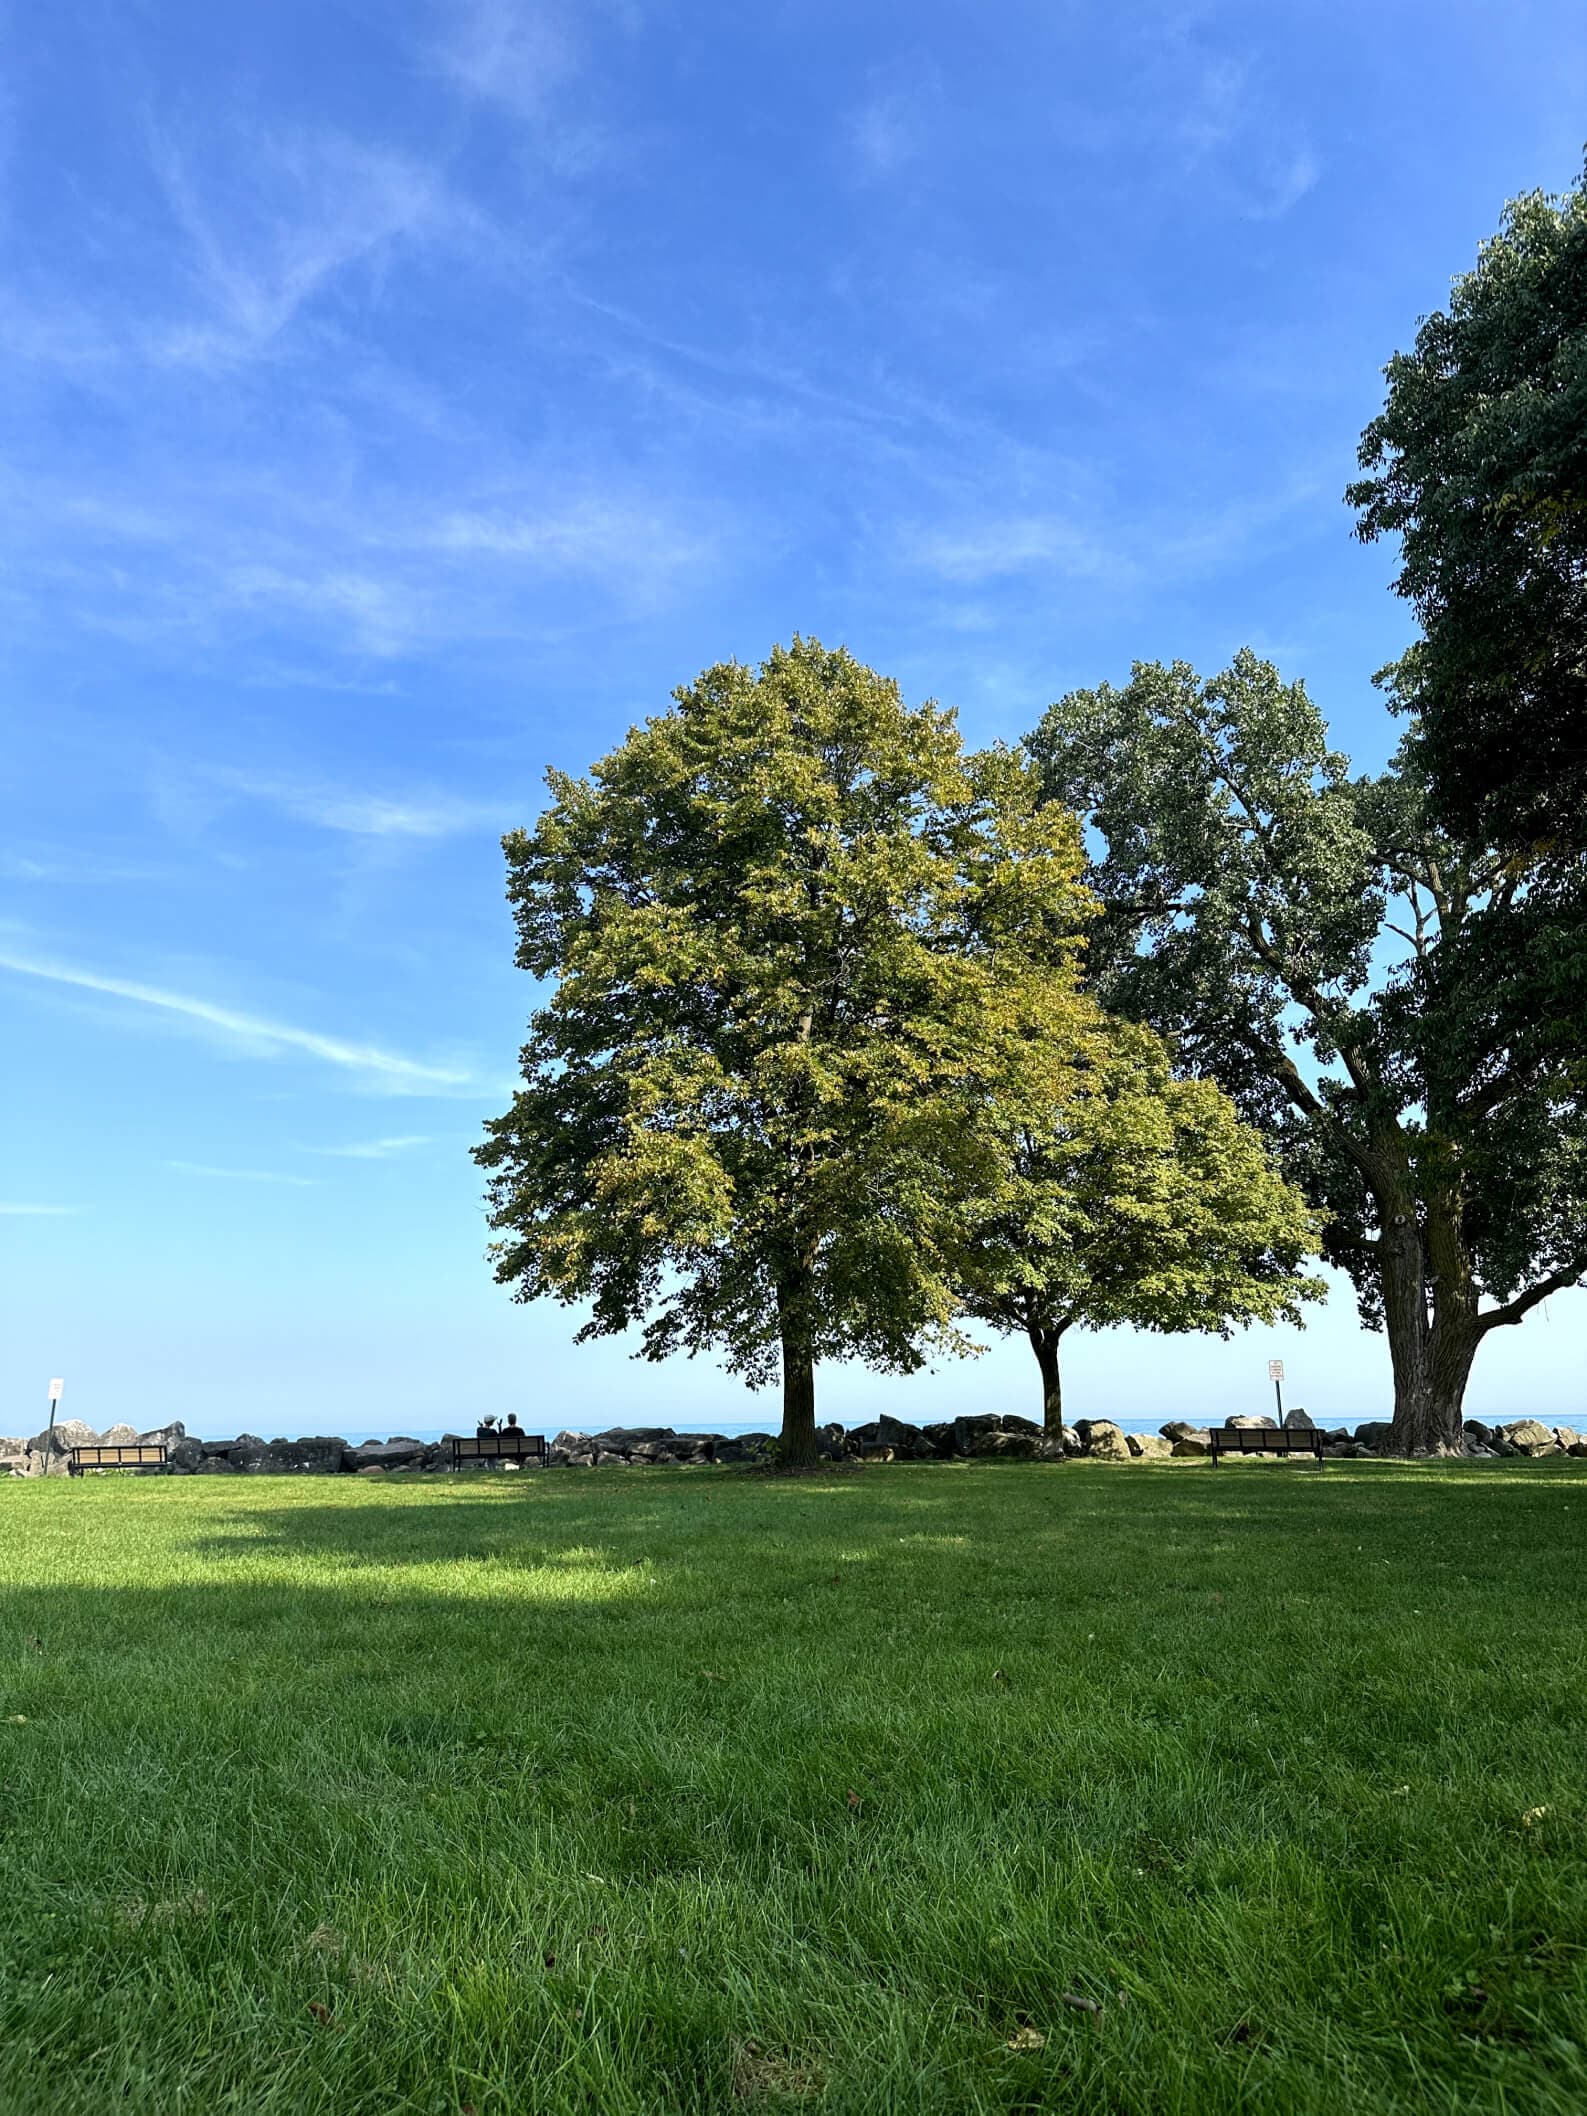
column 884, row 1440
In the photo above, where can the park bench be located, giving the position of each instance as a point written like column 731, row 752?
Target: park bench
column 124, row 1454
column 508, row 1443
column 1266, row 1440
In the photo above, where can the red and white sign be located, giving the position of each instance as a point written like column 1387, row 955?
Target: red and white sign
column 57, row 1391
column 1275, row 1370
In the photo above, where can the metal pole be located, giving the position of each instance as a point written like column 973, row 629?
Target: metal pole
column 49, row 1444
column 1278, row 1397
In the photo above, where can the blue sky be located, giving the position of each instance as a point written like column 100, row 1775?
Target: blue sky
column 403, row 395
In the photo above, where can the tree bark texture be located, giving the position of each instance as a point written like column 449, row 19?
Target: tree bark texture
column 1431, row 1320
column 798, row 1373
column 1044, row 1343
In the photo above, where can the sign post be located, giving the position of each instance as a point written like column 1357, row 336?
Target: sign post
column 57, row 1390
column 1275, row 1374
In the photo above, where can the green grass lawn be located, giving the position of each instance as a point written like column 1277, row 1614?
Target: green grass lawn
column 656, row 1790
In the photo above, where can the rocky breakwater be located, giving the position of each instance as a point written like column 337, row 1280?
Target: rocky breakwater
column 982, row 1438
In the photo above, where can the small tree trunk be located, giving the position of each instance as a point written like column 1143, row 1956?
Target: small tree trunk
column 1044, row 1343
column 798, row 1373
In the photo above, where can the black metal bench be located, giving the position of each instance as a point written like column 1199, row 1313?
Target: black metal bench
column 509, row 1443
column 125, row 1454
column 1266, row 1440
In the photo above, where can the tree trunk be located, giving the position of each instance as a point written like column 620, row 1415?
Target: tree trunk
column 1044, row 1343
column 798, row 1373
column 1433, row 1335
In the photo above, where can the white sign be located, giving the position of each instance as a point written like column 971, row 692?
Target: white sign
column 1275, row 1370
column 57, row 1390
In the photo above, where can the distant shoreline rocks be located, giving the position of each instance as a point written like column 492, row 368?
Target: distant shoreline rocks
column 986, row 1437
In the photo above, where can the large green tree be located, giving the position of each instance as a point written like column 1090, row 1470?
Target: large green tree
column 810, row 959
column 1478, row 463
column 1139, row 1199
column 1383, row 998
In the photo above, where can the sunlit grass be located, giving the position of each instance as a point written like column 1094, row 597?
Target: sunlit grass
column 657, row 1790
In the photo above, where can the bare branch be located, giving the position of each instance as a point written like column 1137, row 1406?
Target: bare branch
column 1574, row 1274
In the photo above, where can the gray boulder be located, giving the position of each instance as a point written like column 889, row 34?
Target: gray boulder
column 122, row 1435
column 1178, row 1429
column 214, row 1466
column 68, row 1433
column 319, row 1456
column 1474, row 1429
column 1241, row 1418
column 573, row 1443
column 904, row 1440
column 743, row 1447
column 371, row 1454
column 967, row 1430
column 165, row 1436
column 620, row 1439
column 1009, row 1446
column 186, row 1455
column 1105, row 1442
column 694, row 1447
column 1374, row 1434
column 1148, row 1447
column 1530, row 1437
column 1299, row 1421
column 1193, row 1443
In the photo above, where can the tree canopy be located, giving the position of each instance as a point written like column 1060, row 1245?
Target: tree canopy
column 1383, row 998
column 1142, row 1199
column 1478, row 463
column 810, row 960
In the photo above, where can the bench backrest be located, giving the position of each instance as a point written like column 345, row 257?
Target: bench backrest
column 126, row 1454
column 1265, row 1439
column 511, row 1443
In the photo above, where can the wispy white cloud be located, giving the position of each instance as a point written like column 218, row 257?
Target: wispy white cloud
column 263, row 1037
column 382, row 617
column 1288, row 179
column 358, row 814
column 241, row 1175
column 513, row 52
column 992, row 547
column 594, row 535
column 1234, row 129
column 370, row 1149
column 314, row 205
column 887, row 131
column 38, row 1212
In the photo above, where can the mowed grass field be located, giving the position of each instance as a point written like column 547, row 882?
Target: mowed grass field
column 666, row 1790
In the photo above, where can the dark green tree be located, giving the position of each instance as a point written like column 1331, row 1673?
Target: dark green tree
column 810, row 961
column 1478, row 463
column 1140, row 1199
column 1382, row 998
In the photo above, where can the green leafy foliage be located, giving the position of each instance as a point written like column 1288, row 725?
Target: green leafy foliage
column 810, row 960
column 1478, row 463
column 1387, row 1001
column 1142, row 1199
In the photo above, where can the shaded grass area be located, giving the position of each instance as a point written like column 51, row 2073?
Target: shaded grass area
column 654, row 1790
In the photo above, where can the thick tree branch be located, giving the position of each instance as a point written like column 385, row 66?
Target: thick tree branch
column 1573, row 1274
